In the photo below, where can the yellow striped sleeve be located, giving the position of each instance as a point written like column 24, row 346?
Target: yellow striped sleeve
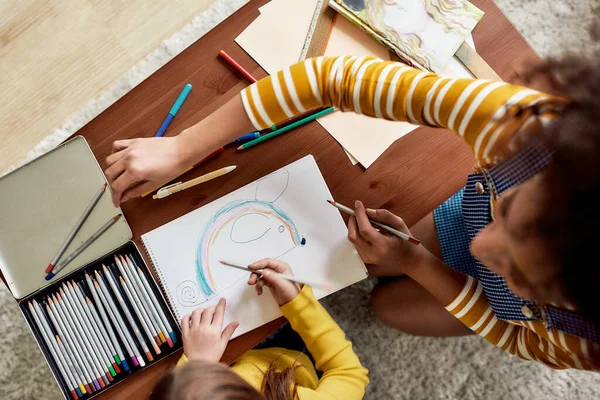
column 486, row 114
column 529, row 340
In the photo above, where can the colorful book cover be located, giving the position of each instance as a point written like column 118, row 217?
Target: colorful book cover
column 424, row 33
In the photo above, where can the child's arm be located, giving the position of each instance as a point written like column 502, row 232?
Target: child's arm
column 394, row 91
column 344, row 377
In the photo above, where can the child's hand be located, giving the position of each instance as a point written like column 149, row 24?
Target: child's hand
column 390, row 255
column 140, row 165
column 283, row 291
column 202, row 333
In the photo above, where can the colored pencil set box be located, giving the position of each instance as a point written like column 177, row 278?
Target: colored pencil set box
column 101, row 319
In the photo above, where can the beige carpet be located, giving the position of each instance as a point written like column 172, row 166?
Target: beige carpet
column 401, row 366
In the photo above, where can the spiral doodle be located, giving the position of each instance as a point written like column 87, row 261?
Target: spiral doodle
column 188, row 294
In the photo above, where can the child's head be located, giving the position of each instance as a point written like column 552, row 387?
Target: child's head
column 203, row 380
column 544, row 238
column 216, row 381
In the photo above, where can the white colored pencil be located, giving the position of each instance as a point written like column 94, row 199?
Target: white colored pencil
column 323, row 286
column 155, row 302
column 105, row 330
column 83, row 369
column 130, row 345
column 65, row 372
column 138, row 305
column 136, row 309
column 125, row 309
column 144, row 300
column 84, row 335
column 77, row 341
column 85, row 312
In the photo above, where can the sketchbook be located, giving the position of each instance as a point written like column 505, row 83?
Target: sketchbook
column 424, row 33
column 283, row 215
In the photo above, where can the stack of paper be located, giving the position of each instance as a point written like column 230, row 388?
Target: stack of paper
column 275, row 39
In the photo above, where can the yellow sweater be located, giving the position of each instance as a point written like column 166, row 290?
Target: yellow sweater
column 484, row 113
column 344, row 377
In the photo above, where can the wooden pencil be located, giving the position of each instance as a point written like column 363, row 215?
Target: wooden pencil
column 389, row 229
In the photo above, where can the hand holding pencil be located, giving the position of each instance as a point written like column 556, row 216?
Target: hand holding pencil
column 388, row 254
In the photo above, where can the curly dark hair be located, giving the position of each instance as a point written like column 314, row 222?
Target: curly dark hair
column 571, row 222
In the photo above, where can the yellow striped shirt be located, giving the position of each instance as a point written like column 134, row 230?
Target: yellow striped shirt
column 488, row 115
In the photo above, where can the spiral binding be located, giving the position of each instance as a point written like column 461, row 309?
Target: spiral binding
column 150, row 255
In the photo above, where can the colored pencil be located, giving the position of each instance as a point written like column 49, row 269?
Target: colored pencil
column 96, row 322
column 178, row 187
column 298, row 117
column 107, row 302
column 95, row 329
column 76, row 228
column 208, row 157
column 88, row 333
column 99, row 314
column 82, row 368
column 82, row 247
column 86, row 336
column 62, row 353
column 52, row 346
column 155, row 301
column 389, row 229
column 138, row 309
column 323, row 286
column 128, row 316
column 95, row 364
column 143, row 300
column 247, row 137
column 66, row 357
column 285, row 129
column 237, row 66
column 173, row 112
column 77, row 342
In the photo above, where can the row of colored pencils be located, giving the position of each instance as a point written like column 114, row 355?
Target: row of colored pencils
column 84, row 324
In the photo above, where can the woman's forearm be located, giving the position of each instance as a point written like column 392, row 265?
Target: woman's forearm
column 218, row 129
column 442, row 281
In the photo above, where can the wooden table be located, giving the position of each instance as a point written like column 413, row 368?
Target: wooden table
column 412, row 177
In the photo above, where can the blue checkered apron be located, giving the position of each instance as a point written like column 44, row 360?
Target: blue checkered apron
column 459, row 220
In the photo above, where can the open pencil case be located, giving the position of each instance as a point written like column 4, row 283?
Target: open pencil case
column 39, row 204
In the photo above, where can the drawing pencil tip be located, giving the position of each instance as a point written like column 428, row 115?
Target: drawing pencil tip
column 116, row 217
column 241, row 147
column 331, row 202
column 103, row 187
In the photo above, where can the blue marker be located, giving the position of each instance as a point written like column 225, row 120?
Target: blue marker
column 247, row 137
column 182, row 96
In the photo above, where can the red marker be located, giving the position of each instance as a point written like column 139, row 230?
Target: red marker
column 237, row 66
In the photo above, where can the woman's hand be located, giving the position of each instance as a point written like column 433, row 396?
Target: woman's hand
column 203, row 335
column 283, row 291
column 388, row 254
column 140, row 165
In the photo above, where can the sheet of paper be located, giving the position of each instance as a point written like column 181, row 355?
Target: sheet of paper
column 275, row 39
column 364, row 137
column 426, row 31
column 283, row 215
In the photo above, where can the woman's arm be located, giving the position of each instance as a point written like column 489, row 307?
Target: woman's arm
column 483, row 112
column 486, row 114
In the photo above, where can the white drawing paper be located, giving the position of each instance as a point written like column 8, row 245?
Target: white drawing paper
column 283, row 215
